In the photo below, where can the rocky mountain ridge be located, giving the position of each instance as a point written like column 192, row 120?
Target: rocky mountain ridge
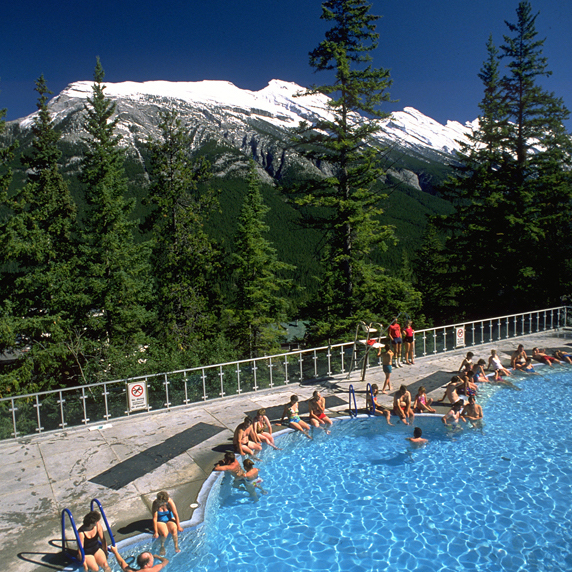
column 255, row 123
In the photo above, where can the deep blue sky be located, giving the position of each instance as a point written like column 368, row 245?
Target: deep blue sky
column 434, row 48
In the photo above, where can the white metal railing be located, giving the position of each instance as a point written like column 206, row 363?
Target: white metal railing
column 99, row 402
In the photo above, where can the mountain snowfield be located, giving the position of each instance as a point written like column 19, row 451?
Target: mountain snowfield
column 276, row 104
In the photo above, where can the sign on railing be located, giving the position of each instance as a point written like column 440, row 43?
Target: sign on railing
column 100, row 402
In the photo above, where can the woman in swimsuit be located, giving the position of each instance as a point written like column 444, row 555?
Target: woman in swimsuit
column 294, row 421
column 166, row 520
column 263, row 428
column 93, row 542
column 422, row 402
column 409, row 344
column 318, row 412
column 495, row 363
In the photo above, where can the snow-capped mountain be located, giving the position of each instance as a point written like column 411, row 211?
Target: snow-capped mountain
column 255, row 122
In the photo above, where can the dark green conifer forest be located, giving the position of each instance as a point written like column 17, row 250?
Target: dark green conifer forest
column 115, row 273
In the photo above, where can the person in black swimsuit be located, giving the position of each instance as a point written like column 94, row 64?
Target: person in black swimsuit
column 93, row 541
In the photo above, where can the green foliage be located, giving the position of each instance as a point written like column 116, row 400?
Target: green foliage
column 509, row 238
column 184, row 256
column 37, row 247
column 259, row 296
column 113, row 276
column 345, row 205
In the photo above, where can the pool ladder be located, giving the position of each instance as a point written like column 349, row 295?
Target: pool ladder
column 370, row 409
column 70, row 553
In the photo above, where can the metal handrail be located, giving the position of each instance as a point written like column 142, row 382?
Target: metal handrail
column 102, row 401
column 96, row 501
column 352, row 394
column 79, row 544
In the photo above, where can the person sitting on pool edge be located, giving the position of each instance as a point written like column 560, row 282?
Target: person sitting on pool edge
column 377, row 407
column 294, row 421
column 166, row 520
column 245, row 439
column 543, row 357
column 402, row 406
column 93, row 541
column 318, row 417
column 145, row 561
column 417, row 432
column 422, row 403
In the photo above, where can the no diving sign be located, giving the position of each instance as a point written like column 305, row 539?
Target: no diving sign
column 137, row 395
column 460, row 335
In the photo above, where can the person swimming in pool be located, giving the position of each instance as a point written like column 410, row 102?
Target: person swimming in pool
column 145, row 561
column 454, row 415
column 417, row 439
column 472, row 412
column 291, row 412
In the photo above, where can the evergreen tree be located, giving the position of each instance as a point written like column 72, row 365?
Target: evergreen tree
column 346, row 204
column 114, row 274
column 184, row 256
column 37, row 252
column 260, row 304
column 509, row 237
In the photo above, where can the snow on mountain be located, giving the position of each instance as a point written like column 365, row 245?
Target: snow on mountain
column 275, row 104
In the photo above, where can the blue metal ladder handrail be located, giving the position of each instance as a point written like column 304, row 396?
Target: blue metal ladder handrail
column 352, row 393
column 96, row 501
column 370, row 409
column 79, row 544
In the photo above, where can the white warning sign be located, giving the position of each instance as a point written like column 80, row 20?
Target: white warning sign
column 460, row 335
column 137, row 395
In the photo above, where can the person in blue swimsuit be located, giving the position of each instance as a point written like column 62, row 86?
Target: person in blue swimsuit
column 291, row 412
column 166, row 520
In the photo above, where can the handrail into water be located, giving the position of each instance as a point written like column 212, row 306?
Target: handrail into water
column 370, row 409
column 79, row 544
column 96, row 501
column 352, row 393
column 97, row 403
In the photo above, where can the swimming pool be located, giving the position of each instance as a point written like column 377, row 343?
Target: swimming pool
column 362, row 499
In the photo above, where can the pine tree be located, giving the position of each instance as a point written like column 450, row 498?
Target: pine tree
column 509, row 238
column 114, row 274
column 37, row 252
column 184, row 256
column 346, row 204
column 260, row 302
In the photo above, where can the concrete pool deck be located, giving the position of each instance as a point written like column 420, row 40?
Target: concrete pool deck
column 125, row 462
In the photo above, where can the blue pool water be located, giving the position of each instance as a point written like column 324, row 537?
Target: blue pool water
column 363, row 499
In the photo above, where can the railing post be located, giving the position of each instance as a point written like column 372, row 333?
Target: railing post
column 424, row 343
column 286, row 380
column 445, row 339
column 329, row 354
column 61, row 402
column 238, row 388
column 166, row 384
column 105, row 394
column 37, row 405
column 315, row 358
column 254, row 368
column 220, row 374
column 204, row 376
column 185, row 385
column 301, row 362
column 83, row 398
column 342, row 355
column 13, row 411
column 270, row 366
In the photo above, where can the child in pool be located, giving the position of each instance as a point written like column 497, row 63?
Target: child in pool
column 417, row 439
